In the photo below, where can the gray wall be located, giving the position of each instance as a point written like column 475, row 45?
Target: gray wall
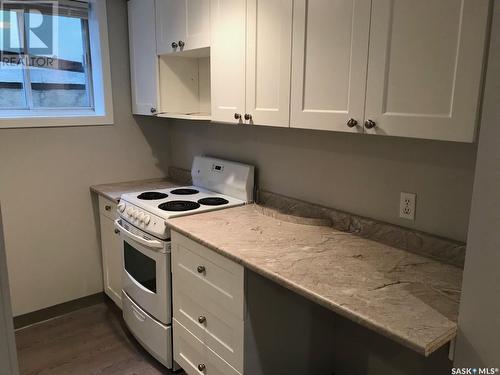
column 479, row 322
column 360, row 174
column 287, row 334
column 50, row 227
column 8, row 355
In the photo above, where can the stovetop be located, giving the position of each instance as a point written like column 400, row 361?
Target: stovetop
column 169, row 203
column 148, row 210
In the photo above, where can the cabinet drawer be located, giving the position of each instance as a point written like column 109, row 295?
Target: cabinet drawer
column 201, row 273
column 195, row 357
column 221, row 331
column 107, row 208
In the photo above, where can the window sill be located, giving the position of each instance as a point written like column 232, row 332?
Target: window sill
column 49, row 119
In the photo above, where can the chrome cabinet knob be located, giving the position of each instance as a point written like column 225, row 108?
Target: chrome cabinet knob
column 181, row 44
column 352, row 123
column 117, row 231
column 370, row 124
column 201, row 269
column 237, row 116
column 202, row 319
column 107, row 208
column 201, row 367
column 153, row 110
column 248, row 117
column 174, row 45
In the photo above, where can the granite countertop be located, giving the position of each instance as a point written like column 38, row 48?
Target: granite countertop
column 404, row 296
column 113, row 191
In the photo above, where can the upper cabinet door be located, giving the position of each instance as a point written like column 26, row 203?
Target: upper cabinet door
column 227, row 55
column 425, row 68
column 329, row 61
column 269, row 49
column 182, row 25
column 143, row 59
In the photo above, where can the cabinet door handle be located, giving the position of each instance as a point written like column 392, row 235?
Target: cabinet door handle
column 181, row 44
column 107, row 208
column 202, row 319
column 201, row 367
column 352, row 123
column 201, row 269
column 237, row 116
column 153, row 110
column 174, row 45
column 117, row 231
column 248, row 117
column 370, row 124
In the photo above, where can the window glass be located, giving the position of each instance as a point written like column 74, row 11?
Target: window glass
column 140, row 267
column 45, row 59
column 12, row 93
column 62, row 81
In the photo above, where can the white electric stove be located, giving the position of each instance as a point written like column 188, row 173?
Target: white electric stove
column 147, row 289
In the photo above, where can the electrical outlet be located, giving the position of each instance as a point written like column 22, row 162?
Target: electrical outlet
column 408, row 206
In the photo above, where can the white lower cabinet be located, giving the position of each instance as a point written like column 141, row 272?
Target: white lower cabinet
column 208, row 309
column 111, row 246
column 195, row 357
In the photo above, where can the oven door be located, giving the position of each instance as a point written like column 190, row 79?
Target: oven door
column 146, row 274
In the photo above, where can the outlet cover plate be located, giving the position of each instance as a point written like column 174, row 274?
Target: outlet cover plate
column 408, row 206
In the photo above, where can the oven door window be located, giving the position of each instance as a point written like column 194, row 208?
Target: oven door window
column 140, row 267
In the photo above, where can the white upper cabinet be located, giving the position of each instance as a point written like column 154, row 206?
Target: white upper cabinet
column 268, row 56
column 182, row 25
column 251, row 61
column 227, row 53
column 329, row 60
column 143, row 59
column 425, row 67
column 389, row 67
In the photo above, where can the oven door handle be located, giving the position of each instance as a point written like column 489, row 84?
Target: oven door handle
column 149, row 243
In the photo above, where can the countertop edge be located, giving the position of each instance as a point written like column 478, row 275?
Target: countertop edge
column 104, row 195
column 130, row 186
column 314, row 297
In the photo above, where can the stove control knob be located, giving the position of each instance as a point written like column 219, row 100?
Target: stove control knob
column 121, row 207
column 147, row 219
column 129, row 211
column 135, row 214
column 140, row 217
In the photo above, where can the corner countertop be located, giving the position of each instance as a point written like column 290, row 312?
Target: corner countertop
column 406, row 297
column 113, row 191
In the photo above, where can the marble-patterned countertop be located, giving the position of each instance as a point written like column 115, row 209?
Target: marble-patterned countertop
column 113, row 191
column 404, row 296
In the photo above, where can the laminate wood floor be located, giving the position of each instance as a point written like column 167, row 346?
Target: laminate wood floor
column 93, row 340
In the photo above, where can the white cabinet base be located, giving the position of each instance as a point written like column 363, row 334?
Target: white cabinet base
column 112, row 257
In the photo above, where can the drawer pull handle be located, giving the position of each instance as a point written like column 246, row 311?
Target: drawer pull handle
column 139, row 316
column 201, row 367
column 201, row 269
column 107, row 208
column 202, row 319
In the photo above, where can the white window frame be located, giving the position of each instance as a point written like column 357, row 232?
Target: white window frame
column 102, row 113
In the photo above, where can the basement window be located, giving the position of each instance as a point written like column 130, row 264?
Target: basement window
column 54, row 63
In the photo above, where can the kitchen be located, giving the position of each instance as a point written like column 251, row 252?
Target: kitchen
column 324, row 179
